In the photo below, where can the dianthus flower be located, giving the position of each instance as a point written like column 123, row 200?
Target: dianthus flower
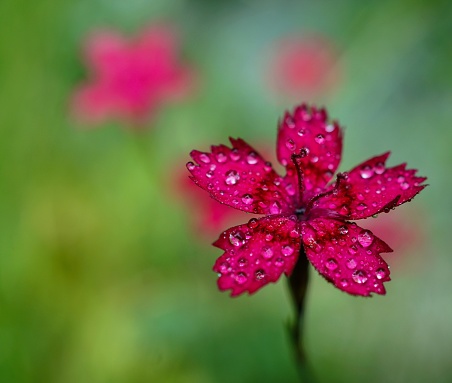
column 131, row 79
column 305, row 213
column 305, row 65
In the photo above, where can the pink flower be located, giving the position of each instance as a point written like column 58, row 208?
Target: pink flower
column 305, row 65
column 305, row 213
column 131, row 80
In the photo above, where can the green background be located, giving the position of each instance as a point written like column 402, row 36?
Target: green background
column 102, row 277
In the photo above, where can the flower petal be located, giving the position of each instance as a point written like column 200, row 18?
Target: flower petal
column 308, row 133
column 240, row 177
column 257, row 253
column 346, row 255
column 371, row 188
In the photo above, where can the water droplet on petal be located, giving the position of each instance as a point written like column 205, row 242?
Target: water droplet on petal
column 242, row 262
column 365, row 238
column 366, row 172
column 301, row 132
column 343, row 230
column 290, row 144
column 331, row 264
column 351, row 263
column 253, row 223
column 252, row 158
column 344, row 283
column 247, row 199
column 320, row 139
column 259, row 274
column 379, row 168
column 353, row 249
column 235, row 155
column 236, row 238
column 191, row 166
column 275, row 208
column 241, row 278
column 380, row 273
column 268, row 237
column 404, row 185
column 290, row 189
column 287, row 250
column 359, row 276
column 232, row 177
column 204, row 158
column 225, row 268
column 361, row 207
column 221, row 157
column 279, row 262
column 330, row 128
column 267, row 252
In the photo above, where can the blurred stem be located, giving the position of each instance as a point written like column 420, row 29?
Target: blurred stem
column 298, row 284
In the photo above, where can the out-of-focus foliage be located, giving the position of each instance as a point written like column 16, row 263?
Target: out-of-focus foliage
column 103, row 277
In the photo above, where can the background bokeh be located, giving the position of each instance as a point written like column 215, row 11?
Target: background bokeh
column 104, row 277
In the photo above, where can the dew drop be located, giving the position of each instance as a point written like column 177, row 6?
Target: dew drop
column 380, row 273
column 242, row 262
column 330, row 128
column 343, row 230
column 359, row 276
column 379, row 168
column 225, row 268
column 287, row 250
column 253, row 223
column 279, row 262
column 404, row 185
column 268, row 166
column 331, row 264
column 267, row 252
column 204, row 158
column 247, row 199
column 351, row 263
column 366, row 172
column 361, row 207
column 290, row 144
column 344, row 283
column 290, row 189
column 301, row 132
column 259, row 274
column 275, row 208
column 251, row 158
column 365, row 238
column 235, row 155
column 268, row 237
column 232, row 177
column 241, row 278
column 353, row 249
column 191, row 166
column 221, row 157
column 320, row 139
column 236, row 238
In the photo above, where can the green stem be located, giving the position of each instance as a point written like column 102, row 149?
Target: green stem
column 298, row 283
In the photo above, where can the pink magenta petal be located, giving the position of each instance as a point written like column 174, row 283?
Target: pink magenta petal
column 309, row 134
column 371, row 188
column 346, row 255
column 257, row 253
column 241, row 178
column 103, row 50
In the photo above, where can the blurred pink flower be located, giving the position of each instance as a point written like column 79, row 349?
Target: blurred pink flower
column 304, row 66
column 130, row 79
